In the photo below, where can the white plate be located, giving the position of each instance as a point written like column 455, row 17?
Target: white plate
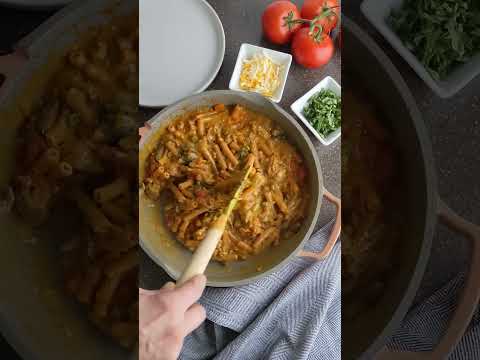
column 297, row 108
column 182, row 45
column 35, row 4
column 378, row 11
column 246, row 52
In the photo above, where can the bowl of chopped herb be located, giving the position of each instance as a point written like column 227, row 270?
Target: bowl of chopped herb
column 320, row 110
column 439, row 39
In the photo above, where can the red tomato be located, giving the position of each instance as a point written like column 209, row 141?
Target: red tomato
column 330, row 8
column 275, row 24
column 310, row 51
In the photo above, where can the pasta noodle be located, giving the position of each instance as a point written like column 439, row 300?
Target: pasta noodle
column 111, row 191
column 63, row 169
column 197, row 180
column 220, row 157
column 374, row 217
column 227, row 152
column 78, row 102
column 96, row 219
column 104, row 296
column 115, row 214
column 122, row 265
column 47, row 161
column 278, row 197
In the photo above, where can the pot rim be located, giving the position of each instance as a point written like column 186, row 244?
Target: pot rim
column 187, row 101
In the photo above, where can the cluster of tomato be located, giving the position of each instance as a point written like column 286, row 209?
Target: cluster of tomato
column 308, row 31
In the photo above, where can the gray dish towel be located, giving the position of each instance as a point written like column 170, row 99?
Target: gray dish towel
column 294, row 313
column 425, row 323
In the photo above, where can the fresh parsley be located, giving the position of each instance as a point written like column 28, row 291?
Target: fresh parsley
column 324, row 111
column 441, row 33
column 244, row 151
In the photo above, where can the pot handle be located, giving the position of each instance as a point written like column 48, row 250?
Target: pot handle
column 10, row 65
column 334, row 235
column 468, row 300
column 142, row 131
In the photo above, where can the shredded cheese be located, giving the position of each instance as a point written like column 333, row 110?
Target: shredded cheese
column 260, row 74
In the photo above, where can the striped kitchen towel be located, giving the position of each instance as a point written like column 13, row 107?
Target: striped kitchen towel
column 294, row 313
column 425, row 324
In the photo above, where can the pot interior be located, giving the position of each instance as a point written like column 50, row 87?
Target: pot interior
column 162, row 246
column 372, row 69
column 36, row 315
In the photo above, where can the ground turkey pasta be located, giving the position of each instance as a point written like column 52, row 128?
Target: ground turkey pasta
column 201, row 158
column 372, row 183
column 77, row 154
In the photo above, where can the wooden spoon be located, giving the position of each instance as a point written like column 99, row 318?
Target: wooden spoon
column 205, row 250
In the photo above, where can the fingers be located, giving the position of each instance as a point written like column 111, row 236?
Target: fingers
column 168, row 286
column 189, row 293
column 194, row 317
column 147, row 292
column 149, row 309
column 153, row 303
column 167, row 315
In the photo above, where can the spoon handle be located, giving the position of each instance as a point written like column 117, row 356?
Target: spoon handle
column 205, row 250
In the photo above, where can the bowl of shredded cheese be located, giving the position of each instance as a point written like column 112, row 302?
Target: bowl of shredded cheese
column 261, row 70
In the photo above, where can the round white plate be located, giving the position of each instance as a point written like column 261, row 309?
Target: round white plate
column 34, row 4
column 182, row 45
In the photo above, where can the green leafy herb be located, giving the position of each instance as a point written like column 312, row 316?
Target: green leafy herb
column 187, row 154
column 324, row 111
column 441, row 33
column 244, row 151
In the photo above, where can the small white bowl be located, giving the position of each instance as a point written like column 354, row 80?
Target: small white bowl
column 246, row 52
column 377, row 13
column 298, row 106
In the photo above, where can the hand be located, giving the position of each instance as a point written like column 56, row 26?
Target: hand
column 167, row 316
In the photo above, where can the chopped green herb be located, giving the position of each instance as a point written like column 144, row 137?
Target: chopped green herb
column 187, row 154
column 441, row 33
column 324, row 111
column 244, row 151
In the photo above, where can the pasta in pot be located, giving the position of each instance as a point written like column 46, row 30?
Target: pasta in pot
column 372, row 184
column 200, row 159
column 80, row 145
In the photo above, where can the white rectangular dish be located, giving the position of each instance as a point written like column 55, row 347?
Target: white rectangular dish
column 247, row 51
column 377, row 13
column 298, row 106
